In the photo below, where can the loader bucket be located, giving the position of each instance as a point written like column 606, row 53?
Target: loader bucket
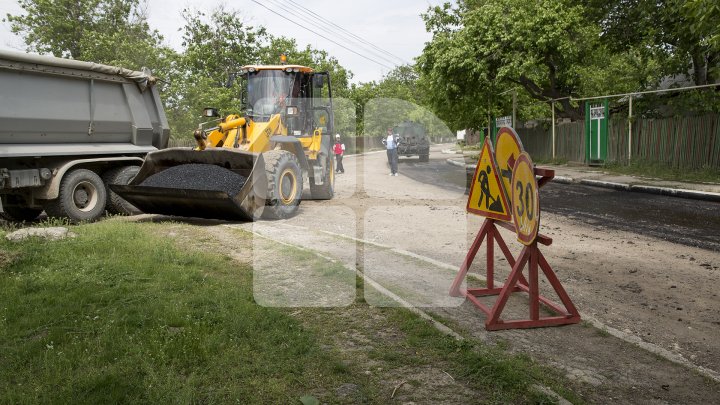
column 215, row 183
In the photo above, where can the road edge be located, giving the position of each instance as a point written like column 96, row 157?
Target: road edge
column 638, row 188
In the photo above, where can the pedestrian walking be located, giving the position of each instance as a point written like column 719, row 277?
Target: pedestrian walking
column 391, row 142
column 339, row 150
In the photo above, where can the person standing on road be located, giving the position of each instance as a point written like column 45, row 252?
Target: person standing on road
column 339, row 150
column 391, row 143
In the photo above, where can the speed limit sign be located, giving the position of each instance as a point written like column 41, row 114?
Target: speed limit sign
column 525, row 200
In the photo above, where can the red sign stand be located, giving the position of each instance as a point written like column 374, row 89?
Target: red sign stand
column 530, row 257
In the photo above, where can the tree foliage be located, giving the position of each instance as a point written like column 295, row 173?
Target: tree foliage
column 105, row 31
column 560, row 49
column 682, row 34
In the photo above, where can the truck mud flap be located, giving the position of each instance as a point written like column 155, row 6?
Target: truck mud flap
column 177, row 182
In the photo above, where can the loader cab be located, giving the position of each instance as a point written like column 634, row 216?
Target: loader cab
column 302, row 97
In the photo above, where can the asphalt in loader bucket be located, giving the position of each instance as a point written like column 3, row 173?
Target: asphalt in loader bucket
column 215, row 183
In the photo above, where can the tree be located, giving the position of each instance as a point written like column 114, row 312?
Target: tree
column 396, row 98
column 484, row 47
column 105, row 31
column 216, row 45
column 683, row 35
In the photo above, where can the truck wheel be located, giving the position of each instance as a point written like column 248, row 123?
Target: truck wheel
column 119, row 175
column 425, row 157
column 16, row 210
column 285, row 184
column 82, row 197
column 326, row 190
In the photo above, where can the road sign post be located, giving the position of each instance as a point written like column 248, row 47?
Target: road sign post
column 524, row 208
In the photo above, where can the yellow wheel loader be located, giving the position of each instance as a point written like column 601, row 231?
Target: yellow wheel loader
column 249, row 166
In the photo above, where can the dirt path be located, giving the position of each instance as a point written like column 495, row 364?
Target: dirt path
column 650, row 290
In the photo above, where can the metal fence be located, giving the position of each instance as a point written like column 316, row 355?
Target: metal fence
column 691, row 142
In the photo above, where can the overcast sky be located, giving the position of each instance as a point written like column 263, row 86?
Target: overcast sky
column 393, row 25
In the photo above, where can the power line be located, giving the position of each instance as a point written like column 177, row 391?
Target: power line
column 331, row 31
column 320, row 35
column 347, row 35
column 350, row 33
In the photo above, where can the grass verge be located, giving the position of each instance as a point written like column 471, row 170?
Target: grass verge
column 118, row 315
column 121, row 314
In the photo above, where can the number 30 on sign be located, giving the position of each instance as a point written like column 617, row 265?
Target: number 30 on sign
column 525, row 200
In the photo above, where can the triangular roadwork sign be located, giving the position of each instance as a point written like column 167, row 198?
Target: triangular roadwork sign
column 487, row 193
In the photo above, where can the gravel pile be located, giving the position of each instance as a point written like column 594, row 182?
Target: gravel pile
column 197, row 177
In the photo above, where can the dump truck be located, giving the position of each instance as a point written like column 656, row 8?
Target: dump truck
column 251, row 165
column 413, row 140
column 69, row 129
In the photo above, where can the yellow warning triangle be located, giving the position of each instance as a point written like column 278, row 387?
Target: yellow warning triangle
column 487, row 193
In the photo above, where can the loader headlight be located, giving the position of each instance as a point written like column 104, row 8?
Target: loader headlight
column 288, row 70
column 211, row 112
column 296, row 70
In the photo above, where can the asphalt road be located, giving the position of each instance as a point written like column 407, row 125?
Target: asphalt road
column 687, row 222
column 684, row 221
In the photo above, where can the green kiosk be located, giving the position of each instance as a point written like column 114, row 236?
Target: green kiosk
column 596, row 132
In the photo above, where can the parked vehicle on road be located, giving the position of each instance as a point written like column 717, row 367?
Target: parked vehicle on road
column 413, row 140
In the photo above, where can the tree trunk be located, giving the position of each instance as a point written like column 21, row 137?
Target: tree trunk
column 700, row 67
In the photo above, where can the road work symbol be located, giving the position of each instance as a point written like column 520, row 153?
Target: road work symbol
column 487, row 195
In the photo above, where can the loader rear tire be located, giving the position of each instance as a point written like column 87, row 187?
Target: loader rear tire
column 16, row 211
column 325, row 191
column 285, row 184
column 82, row 197
column 119, row 175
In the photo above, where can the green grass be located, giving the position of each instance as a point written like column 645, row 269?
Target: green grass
column 120, row 315
column 509, row 378
column 477, row 147
column 665, row 172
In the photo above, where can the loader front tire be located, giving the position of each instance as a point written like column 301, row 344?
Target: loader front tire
column 326, row 190
column 119, row 175
column 285, row 184
column 82, row 197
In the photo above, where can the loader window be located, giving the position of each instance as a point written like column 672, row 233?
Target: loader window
column 321, row 90
column 322, row 120
column 268, row 93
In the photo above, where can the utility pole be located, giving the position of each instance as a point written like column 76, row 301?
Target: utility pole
column 552, row 107
column 514, row 117
column 630, row 117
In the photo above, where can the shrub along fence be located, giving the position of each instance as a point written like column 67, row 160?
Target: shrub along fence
column 691, row 142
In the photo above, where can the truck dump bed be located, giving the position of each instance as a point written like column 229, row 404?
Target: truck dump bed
column 58, row 107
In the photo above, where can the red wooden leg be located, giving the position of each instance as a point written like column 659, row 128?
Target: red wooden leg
column 455, row 288
column 508, row 287
column 534, row 287
column 491, row 258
